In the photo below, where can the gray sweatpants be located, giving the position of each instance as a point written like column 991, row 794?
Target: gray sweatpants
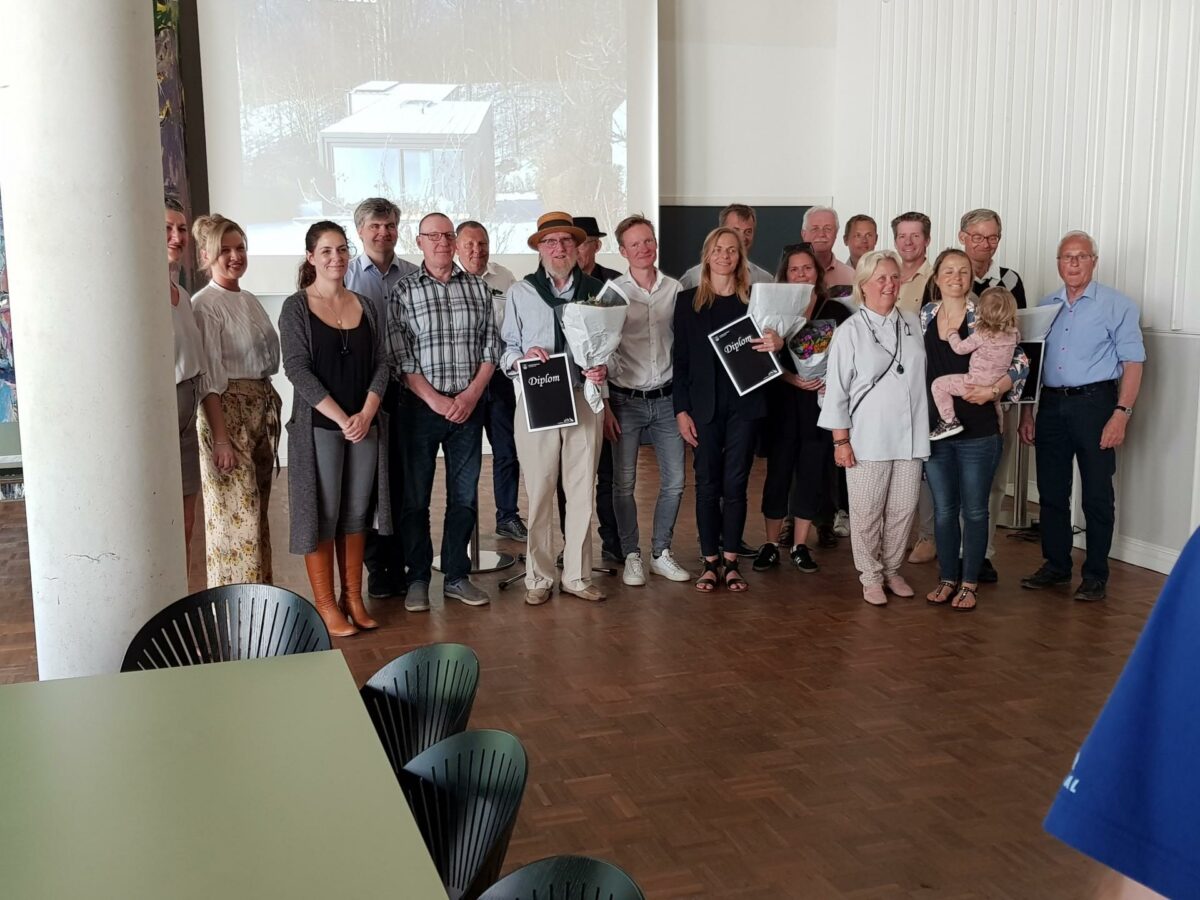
column 345, row 481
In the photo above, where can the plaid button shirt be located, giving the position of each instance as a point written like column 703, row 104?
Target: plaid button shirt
column 441, row 331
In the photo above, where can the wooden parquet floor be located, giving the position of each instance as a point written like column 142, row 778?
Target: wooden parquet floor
column 790, row 742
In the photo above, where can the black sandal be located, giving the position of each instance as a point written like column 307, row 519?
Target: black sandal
column 708, row 585
column 938, row 590
column 962, row 595
column 737, row 583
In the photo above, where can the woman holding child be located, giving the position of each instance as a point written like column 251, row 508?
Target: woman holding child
column 965, row 447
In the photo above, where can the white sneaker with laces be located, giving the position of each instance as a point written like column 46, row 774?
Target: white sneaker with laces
column 634, row 573
column 841, row 523
column 664, row 564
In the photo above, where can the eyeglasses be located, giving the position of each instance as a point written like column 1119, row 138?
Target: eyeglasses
column 553, row 243
column 802, row 247
column 438, row 237
column 1076, row 259
column 978, row 240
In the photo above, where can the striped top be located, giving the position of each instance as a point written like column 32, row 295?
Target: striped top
column 239, row 339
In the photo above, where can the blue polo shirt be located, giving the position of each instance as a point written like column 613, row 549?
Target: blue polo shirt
column 1091, row 337
column 363, row 277
column 1132, row 799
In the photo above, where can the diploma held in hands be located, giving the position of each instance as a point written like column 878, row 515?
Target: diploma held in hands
column 546, row 392
column 747, row 368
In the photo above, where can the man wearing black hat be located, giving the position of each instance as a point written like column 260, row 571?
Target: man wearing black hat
column 610, row 538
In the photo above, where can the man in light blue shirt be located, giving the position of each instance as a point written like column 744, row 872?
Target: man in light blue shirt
column 1091, row 373
column 373, row 273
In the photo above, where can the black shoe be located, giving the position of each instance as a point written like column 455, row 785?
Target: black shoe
column 803, row 560
column 1043, row 578
column 767, row 558
column 826, row 539
column 383, row 589
column 612, row 556
column 1090, row 590
column 988, row 573
column 513, row 529
column 746, row 551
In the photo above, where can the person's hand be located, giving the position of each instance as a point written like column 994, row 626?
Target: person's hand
column 1027, row 430
column 536, row 353
column 440, row 404
column 356, row 427
column 223, row 456
column 843, row 455
column 770, row 342
column 1113, row 435
column 811, row 384
column 596, row 374
column 978, row 394
column 462, row 406
column 612, row 428
column 687, row 429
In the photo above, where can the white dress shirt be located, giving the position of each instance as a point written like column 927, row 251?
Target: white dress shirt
column 239, row 339
column 643, row 359
column 189, row 345
column 499, row 279
column 892, row 420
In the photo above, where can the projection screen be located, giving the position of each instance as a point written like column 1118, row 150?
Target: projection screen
column 496, row 110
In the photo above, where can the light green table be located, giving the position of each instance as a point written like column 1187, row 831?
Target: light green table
column 254, row 779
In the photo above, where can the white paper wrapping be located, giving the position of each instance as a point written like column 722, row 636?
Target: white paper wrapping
column 779, row 307
column 593, row 334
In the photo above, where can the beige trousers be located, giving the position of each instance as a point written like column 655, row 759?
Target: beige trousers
column 883, row 503
column 575, row 451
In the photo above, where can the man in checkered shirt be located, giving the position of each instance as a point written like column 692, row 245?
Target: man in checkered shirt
column 444, row 344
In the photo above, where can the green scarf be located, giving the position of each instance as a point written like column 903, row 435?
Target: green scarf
column 585, row 286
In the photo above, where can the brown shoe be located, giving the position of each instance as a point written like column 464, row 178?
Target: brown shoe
column 587, row 592
column 319, row 564
column 350, row 568
column 537, row 596
column 923, row 551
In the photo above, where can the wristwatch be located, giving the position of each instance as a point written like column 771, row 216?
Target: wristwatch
column 1128, row 410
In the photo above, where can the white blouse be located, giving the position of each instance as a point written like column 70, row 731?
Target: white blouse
column 189, row 346
column 890, row 421
column 239, row 339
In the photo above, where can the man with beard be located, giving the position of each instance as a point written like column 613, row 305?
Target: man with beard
column 533, row 330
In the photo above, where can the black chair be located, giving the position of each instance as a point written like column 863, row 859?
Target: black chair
column 235, row 621
column 565, row 878
column 464, row 793
column 422, row 697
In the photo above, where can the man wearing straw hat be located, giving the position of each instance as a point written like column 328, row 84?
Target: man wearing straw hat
column 532, row 329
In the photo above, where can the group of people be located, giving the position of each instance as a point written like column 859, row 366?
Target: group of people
column 392, row 363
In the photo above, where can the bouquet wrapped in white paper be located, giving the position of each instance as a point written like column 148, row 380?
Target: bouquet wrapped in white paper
column 592, row 328
column 1034, row 324
column 779, row 307
column 810, row 348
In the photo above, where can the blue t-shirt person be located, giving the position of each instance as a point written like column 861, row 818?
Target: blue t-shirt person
column 1132, row 799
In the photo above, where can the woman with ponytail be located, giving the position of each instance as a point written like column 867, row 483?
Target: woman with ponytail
column 333, row 355
column 239, row 421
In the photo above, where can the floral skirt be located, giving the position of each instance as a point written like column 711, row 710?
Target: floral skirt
column 236, row 530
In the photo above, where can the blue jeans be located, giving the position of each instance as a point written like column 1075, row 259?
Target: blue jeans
column 498, row 423
column 960, row 476
column 655, row 418
column 424, row 432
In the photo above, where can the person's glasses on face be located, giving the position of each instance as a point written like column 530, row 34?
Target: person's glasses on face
column 1075, row 259
column 554, row 243
column 979, row 240
column 438, row 237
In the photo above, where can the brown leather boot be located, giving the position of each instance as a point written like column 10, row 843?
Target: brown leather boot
column 350, row 549
column 320, row 575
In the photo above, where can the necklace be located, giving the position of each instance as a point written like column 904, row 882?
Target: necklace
column 345, row 335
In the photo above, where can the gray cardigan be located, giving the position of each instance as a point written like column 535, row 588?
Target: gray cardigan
column 295, row 337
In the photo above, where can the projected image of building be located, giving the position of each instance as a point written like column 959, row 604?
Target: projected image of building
column 418, row 143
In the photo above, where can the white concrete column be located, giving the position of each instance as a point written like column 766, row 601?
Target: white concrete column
column 81, row 180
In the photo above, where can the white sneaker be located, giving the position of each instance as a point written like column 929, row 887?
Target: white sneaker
column 635, row 573
column 664, row 564
column 841, row 523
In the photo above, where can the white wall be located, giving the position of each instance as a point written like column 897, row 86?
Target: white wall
column 1058, row 115
column 737, row 84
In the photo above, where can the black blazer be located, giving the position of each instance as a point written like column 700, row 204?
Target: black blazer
column 696, row 367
